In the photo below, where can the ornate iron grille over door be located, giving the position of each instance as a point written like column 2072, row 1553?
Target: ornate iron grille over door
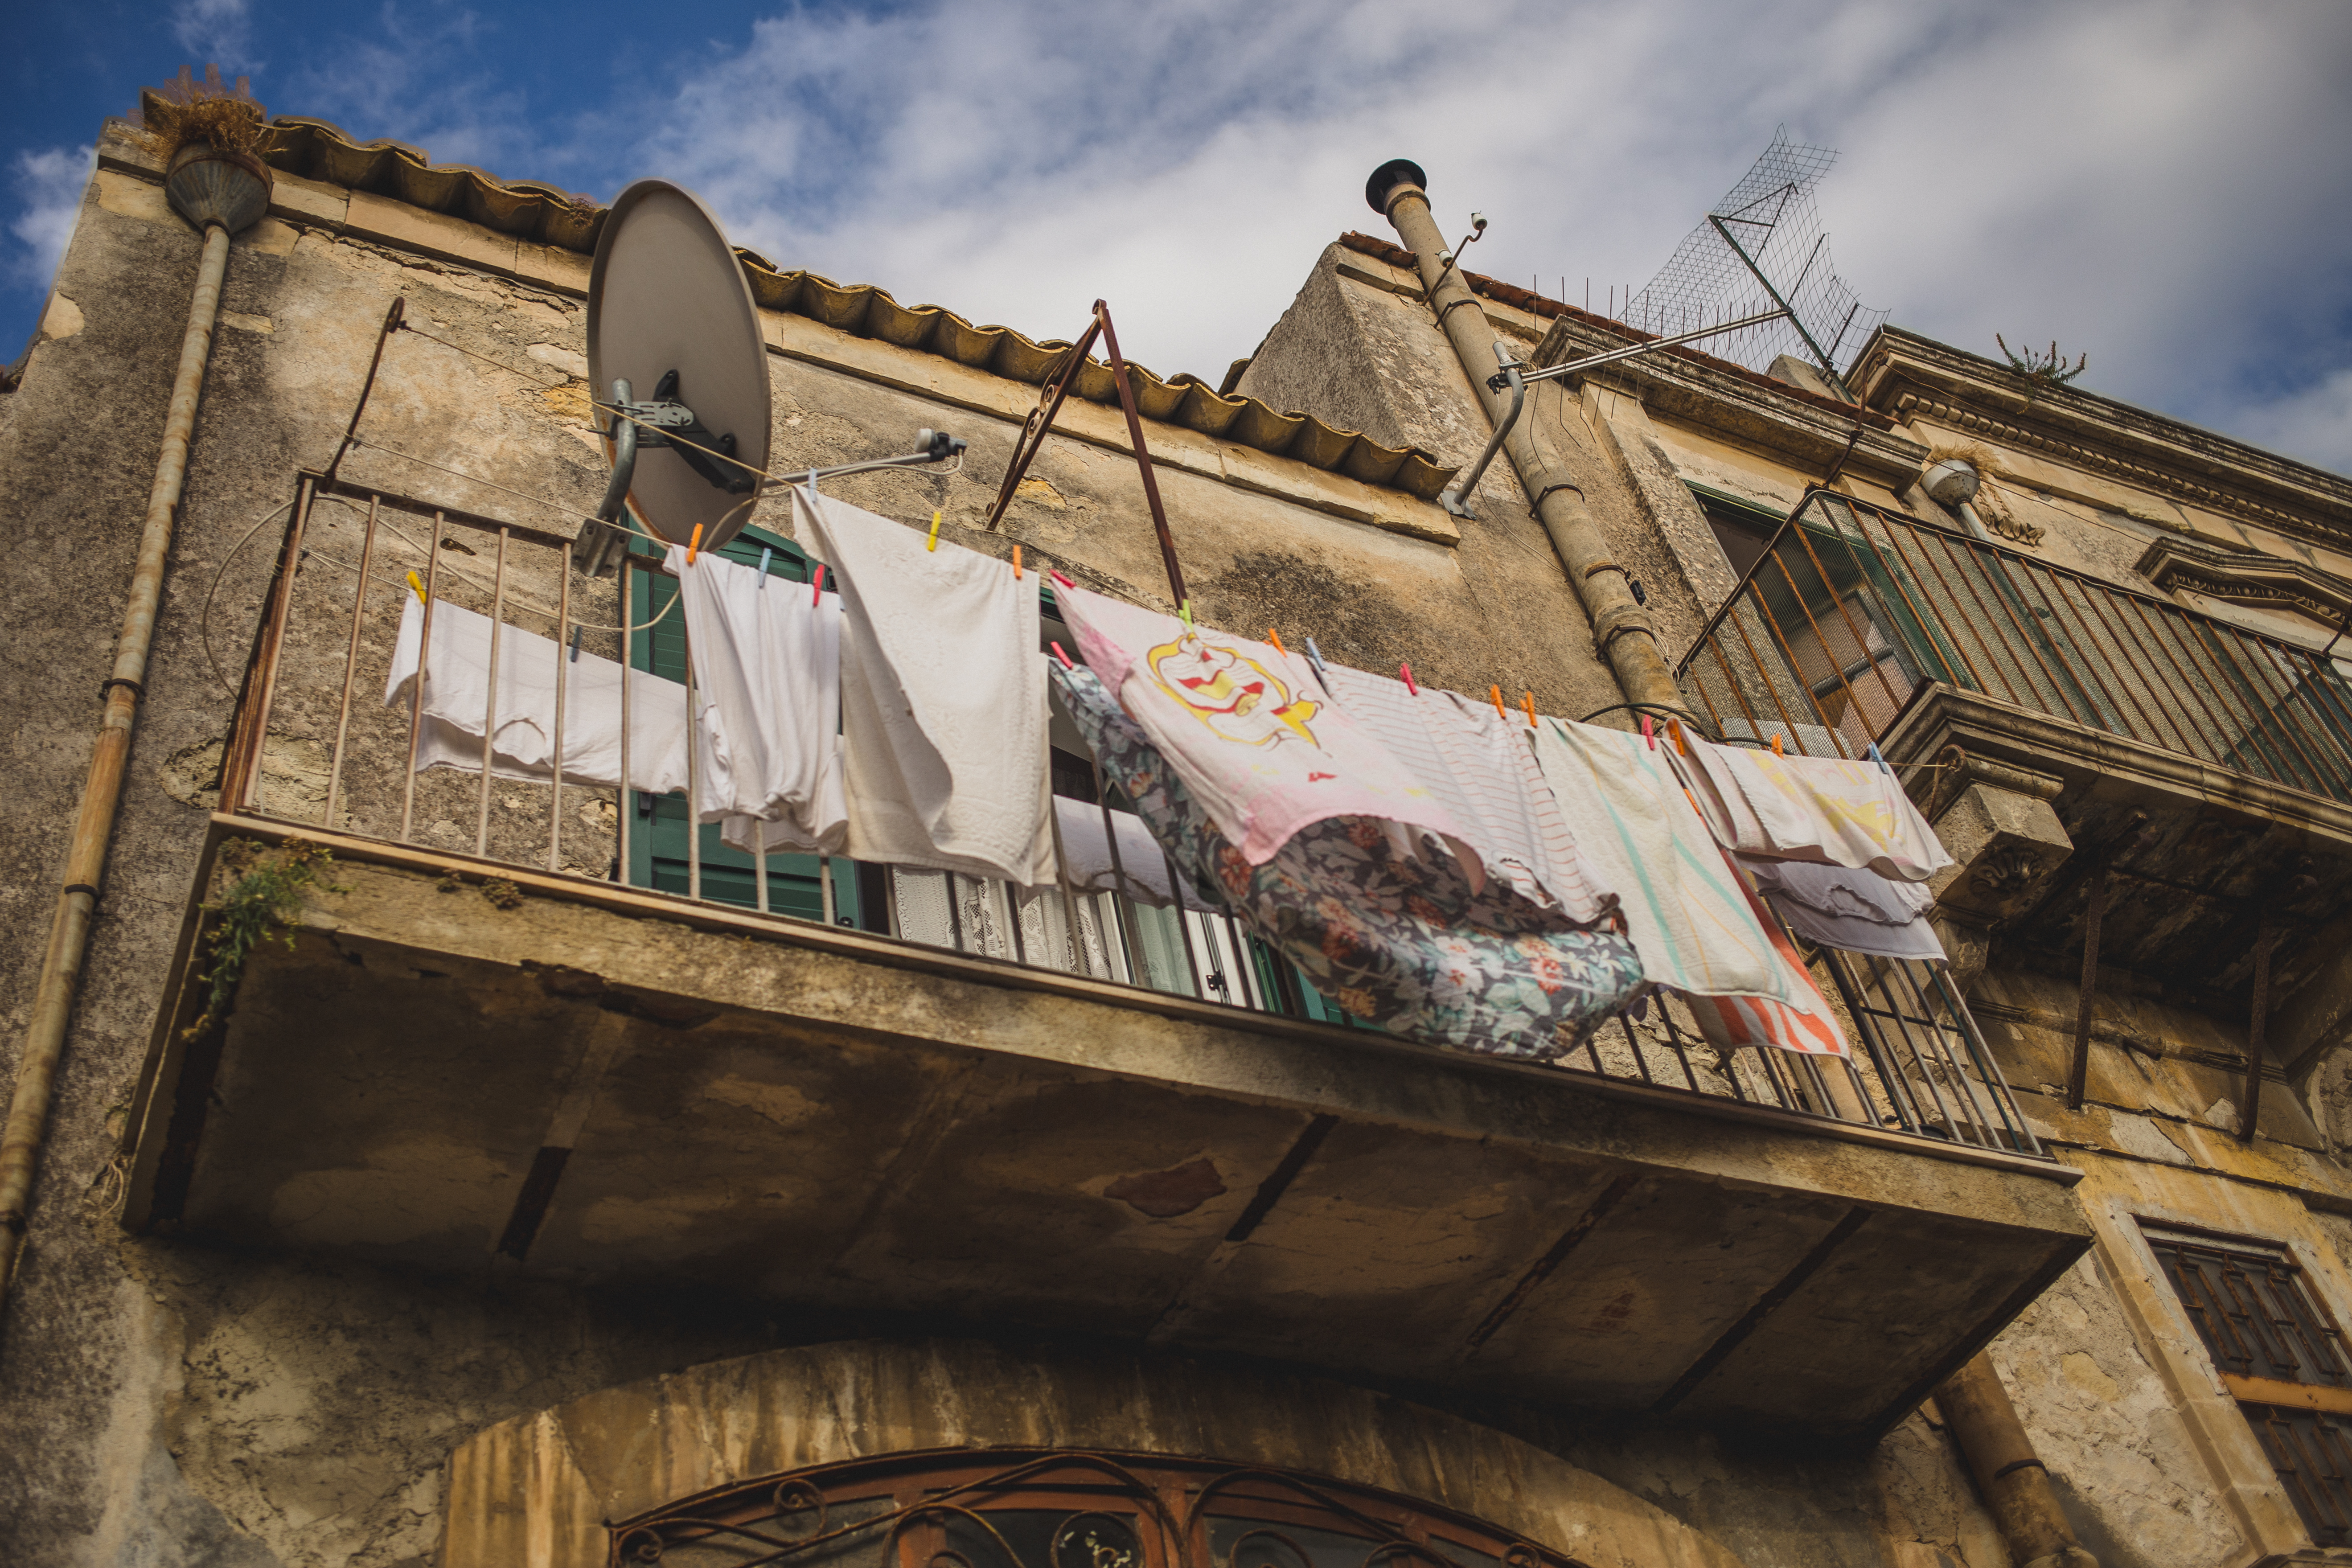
column 1060, row 1510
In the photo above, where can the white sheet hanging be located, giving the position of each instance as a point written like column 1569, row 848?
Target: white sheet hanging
column 767, row 665
column 456, row 701
column 943, row 698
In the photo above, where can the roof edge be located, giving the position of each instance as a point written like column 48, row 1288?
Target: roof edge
column 547, row 214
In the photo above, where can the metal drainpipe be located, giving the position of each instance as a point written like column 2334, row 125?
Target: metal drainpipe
column 218, row 193
column 2010, row 1475
column 1626, row 633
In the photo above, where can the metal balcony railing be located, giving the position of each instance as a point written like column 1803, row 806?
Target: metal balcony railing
column 1852, row 608
column 315, row 747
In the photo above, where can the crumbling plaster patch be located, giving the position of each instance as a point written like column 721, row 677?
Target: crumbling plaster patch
column 2101, row 1420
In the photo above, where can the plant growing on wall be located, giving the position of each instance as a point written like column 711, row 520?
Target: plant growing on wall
column 258, row 904
column 2043, row 369
column 185, row 111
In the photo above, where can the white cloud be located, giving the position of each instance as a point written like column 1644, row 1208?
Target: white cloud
column 2313, row 425
column 48, row 184
column 216, row 32
column 2155, row 182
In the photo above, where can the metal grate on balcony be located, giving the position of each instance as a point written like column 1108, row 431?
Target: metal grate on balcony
column 1852, row 609
column 313, row 747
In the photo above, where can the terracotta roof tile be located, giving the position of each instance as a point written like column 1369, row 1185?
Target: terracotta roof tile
column 317, row 150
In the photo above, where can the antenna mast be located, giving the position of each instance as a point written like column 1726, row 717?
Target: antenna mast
column 1762, row 246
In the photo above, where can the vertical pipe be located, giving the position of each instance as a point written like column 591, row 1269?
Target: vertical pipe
column 1625, row 631
column 562, row 664
column 350, row 667
column 416, row 682
column 693, row 767
column 61, row 963
column 490, row 702
column 824, row 896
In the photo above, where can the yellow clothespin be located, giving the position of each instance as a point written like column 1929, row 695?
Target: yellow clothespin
column 1275, row 637
column 1528, row 702
column 418, row 586
column 933, row 543
column 1495, row 694
column 694, row 544
column 1185, row 614
column 1016, row 564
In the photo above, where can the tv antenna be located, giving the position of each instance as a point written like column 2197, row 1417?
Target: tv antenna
column 669, row 311
column 1762, row 246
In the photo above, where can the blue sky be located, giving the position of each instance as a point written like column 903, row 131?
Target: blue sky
column 2163, row 186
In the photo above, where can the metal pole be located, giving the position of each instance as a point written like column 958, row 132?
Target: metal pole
column 44, row 1034
column 350, row 667
column 1795, row 320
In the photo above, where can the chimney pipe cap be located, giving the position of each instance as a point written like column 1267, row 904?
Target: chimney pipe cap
column 1388, row 177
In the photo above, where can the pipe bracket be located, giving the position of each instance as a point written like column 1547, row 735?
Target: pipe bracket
column 1616, row 620
column 106, row 686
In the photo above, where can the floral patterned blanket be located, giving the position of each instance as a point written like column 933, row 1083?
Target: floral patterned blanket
column 1399, row 941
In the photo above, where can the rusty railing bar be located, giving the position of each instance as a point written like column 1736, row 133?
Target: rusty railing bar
column 2224, row 690
column 2161, row 638
column 1837, row 666
column 281, row 612
column 350, row 668
column 1924, row 1061
column 1976, row 1095
column 490, row 702
column 2284, row 704
column 1958, row 1007
column 1994, row 567
column 1796, row 670
column 1788, row 661
column 1935, row 644
column 416, row 682
column 1882, row 1054
column 2127, row 645
column 562, row 660
column 1988, row 629
column 2086, row 654
column 1934, row 611
column 2311, row 679
column 1861, row 643
column 1731, row 683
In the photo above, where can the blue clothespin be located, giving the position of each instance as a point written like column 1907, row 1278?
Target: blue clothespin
column 575, row 643
column 1880, row 760
column 1315, row 657
column 766, row 551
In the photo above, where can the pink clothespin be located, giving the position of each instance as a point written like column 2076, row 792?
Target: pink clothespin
column 816, row 586
column 1649, row 733
column 1406, row 671
column 1063, row 657
column 1060, row 580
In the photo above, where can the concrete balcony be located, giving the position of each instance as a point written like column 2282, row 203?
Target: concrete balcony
column 459, row 1065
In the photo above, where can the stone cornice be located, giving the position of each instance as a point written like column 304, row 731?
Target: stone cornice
column 2246, row 577
column 1913, row 377
column 1805, row 431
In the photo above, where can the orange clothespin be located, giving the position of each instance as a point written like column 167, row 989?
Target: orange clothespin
column 816, row 586
column 1016, row 564
column 1675, row 728
column 694, row 545
column 1406, row 671
column 1275, row 637
column 1495, row 695
column 1063, row 657
column 1528, row 702
column 1776, row 747
column 1649, row 733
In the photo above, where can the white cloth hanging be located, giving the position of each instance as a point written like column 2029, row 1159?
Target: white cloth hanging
column 1851, row 909
column 1247, row 728
column 767, row 669
column 457, row 703
column 1810, row 808
column 943, row 697
column 1484, row 771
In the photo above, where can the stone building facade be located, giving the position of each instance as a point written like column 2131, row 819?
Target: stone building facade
column 543, row 1186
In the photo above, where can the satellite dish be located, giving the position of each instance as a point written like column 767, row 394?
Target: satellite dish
column 674, row 339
